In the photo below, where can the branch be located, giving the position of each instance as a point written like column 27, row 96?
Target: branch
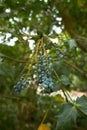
column 11, row 98
column 13, row 59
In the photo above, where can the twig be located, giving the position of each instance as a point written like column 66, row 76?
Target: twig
column 66, row 98
column 11, row 58
column 11, row 98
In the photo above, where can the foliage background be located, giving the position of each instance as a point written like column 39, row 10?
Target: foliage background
column 23, row 22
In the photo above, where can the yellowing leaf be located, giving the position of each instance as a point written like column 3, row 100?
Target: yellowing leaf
column 44, row 127
column 59, row 98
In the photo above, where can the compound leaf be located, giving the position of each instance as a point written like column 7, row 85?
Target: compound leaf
column 82, row 104
column 67, row 117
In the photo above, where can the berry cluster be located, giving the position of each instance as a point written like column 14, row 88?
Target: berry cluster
column 59, row 54
column 21, row 84
column 44, row 72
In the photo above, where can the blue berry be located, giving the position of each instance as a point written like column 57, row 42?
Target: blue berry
column 21, row 84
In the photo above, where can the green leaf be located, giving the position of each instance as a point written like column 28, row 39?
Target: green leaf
column 82, row 104
column 61, row 68
column 67, row 117
column 65, row 80
column 58, row 86
column 72, row 44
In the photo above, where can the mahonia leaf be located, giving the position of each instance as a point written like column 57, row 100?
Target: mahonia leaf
column 58, row 86
column 72, row 44
column 67, row 117
column 82, row 104
column 65, row 80
column 59, row 98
